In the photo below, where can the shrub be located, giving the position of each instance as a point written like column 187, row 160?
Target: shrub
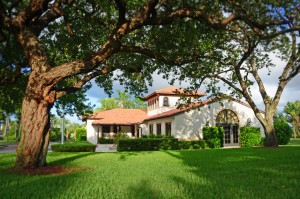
column 120, row 135
column 105, row 141
column 214, row 136
column 250, row 136
column 80, row 134
column 147, row 144
column 74, row 147
column 194, row 144
column 283, row 132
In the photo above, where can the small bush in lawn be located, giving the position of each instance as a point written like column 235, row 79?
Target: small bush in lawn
column 106, row 141
column 194, row 144
column 74, row 147
column 250, row 136
column 283, row 132
column 80, row 134
column 214, row 136
column 147, row 144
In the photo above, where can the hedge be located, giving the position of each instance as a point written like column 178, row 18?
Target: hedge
column 74, row 147
column 214, row 136
column 105, row 141
column 147, row 144
column 250, row 136
column 283, row 132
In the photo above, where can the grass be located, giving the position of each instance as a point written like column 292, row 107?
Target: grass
column 223, row 173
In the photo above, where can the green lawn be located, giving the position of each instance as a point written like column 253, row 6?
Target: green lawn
column 222, row 173
column 294, row 141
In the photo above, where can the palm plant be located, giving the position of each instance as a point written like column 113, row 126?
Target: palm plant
column 292, row 109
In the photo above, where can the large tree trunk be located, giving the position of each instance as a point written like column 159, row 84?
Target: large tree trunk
column 32, row 149
column 271, row 140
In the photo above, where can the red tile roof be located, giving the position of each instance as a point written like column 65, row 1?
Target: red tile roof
column 119, row 116
column 172, row 90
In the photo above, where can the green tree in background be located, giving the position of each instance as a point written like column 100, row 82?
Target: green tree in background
column 292, row 110
column 70, row 128
column 124, row 100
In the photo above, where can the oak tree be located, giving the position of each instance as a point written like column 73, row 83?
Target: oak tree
column 245, row 51
column 59, row 41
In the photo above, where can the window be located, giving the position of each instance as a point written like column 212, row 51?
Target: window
column 151, row 128
column 106, row 129
column 227, row 116
column 158, row 129
column 168, row 129
column 166, row 101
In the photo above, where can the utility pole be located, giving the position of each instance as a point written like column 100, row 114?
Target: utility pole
column 7, row 127
column 63, row 126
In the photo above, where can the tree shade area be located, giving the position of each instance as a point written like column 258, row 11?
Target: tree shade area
column 232, row 173
column 60, row 45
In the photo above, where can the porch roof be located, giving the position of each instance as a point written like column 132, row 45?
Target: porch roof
column 119, row 117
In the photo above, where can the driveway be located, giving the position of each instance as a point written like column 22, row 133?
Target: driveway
column 11, row 148
column 8, row 148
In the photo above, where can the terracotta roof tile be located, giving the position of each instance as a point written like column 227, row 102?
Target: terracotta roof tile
column 119, row 116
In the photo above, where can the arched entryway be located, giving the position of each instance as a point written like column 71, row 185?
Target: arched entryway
column 230, row 122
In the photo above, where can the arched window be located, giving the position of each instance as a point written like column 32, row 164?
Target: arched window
column 166, row 101
column 227, row 117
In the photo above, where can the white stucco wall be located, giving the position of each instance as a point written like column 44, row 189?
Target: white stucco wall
column 91, row 132
column 188, row 125
column 143, row 130
column 172, row 105
column 162, row 121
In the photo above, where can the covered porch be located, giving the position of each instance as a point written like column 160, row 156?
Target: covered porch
column 109, row 131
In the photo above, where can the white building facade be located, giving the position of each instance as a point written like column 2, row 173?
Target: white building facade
column 163, row 118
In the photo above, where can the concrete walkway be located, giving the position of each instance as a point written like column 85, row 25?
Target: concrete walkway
column 106, row 148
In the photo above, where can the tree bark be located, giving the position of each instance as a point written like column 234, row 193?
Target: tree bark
column 271, row 140
column 32, row 149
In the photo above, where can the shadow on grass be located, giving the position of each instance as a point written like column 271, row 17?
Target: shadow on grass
column 143, row 190
column 41, row 186
column 65, row 161
column 240, row 173
column 125, row 155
